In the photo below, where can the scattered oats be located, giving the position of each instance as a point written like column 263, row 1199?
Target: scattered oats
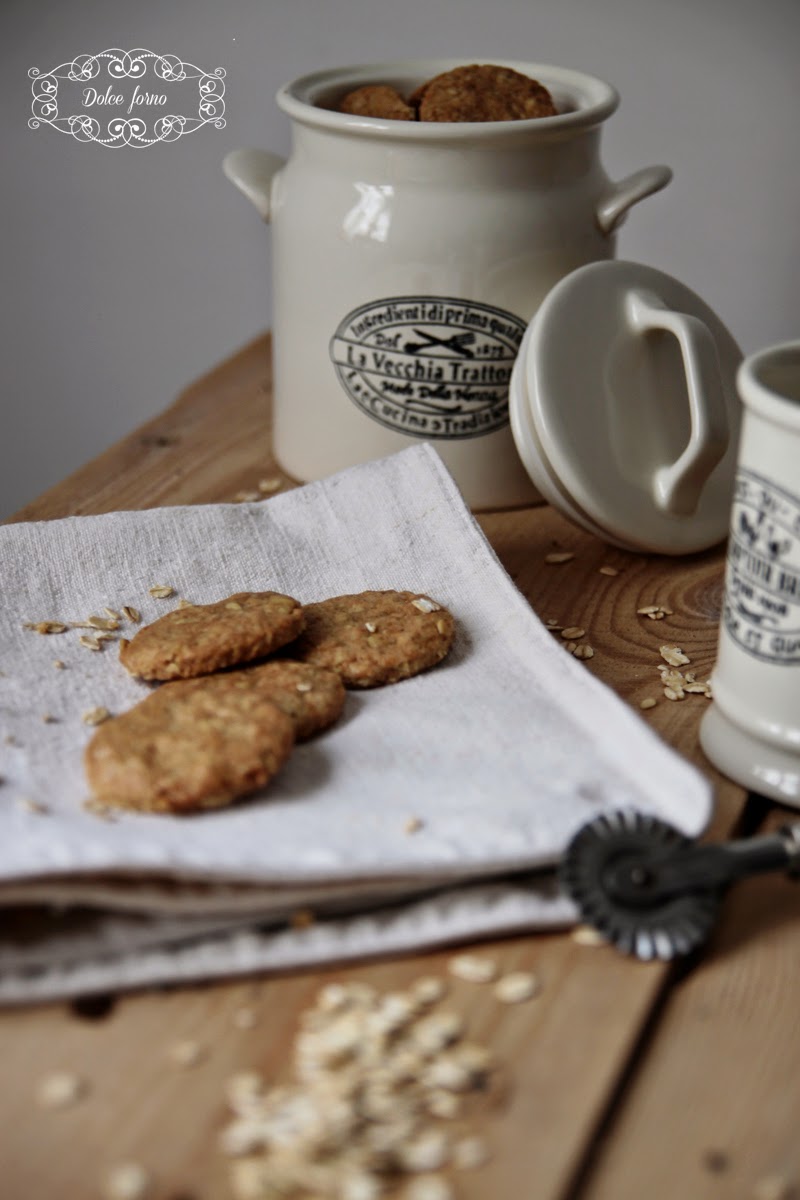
column 59, row 665
column 245, row 1018
column 370, row 627
column 698, row 688
column 413, row 825
column 245, row 1090
column 674, row 656
column 127, row 1181
column 371, row 1080
column 112, row 613
column 246, row 497
column 304, row 686
column 473, row 968
column 95, row 716
column 775, row 1187
column 394, row 1012
column 573, row 631
column 654, row 612
column 302, row 918
column 571, row 647
column 583, row 652
column 89, row 641
column 186, row 1053
column 433, row 1033
column 105, row 637
column 516, row 987
column 183, row 603
column 441, row 627
column 443, row 1104
column 649, row 702
column 429, row 1187
column 552, row 623
column 360, row 1186
column 32, row 806
column 44, row 627
column 102, row 622
column 559, row 556
column 161, row 591
column 333, row 997
column 428, row 990
column 609, row 571
column 131, row 614
column 426, row 605
column 241, row 1137
column 427, row 1152
column 469, row 1153
column 674, row 693
column 60, row 1090
column 49, row 719
column 449, row 1074
column 587, row 935
column 474, row 1058
column 267, row 486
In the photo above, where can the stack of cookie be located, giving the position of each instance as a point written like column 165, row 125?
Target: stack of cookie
column 479, row 92
column 243, row 679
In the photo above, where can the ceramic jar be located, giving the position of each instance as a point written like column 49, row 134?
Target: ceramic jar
column 752, row 730
column 409, row 258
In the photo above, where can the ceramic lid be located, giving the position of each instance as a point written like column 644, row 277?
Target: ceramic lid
column 624, row 408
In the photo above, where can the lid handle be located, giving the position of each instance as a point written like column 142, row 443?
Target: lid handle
column 677, row 487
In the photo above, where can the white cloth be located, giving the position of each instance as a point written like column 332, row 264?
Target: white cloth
column 502, row 752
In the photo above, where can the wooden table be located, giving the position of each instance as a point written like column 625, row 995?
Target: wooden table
column 624, row 1080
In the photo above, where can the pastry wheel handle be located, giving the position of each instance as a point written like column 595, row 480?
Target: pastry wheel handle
column 790, row 835
column 651, row 878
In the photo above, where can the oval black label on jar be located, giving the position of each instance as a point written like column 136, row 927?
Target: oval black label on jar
column 429, row 366
column 762, row 589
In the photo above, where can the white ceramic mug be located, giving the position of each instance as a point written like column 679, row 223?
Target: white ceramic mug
column 408, row 259
column 752, row 731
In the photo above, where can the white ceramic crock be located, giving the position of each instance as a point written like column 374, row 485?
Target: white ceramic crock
column 752, row 731
column 409, row 258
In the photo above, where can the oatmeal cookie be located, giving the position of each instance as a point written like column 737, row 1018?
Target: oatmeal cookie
column 483, row 93
column 312, row 696
column 190, row 745
column 377, row 100
column 203, row 638
column 375, row 637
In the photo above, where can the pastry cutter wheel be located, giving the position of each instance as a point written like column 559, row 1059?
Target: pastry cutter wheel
column 653, row 892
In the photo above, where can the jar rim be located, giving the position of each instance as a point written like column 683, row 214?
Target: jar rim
column 583, row 101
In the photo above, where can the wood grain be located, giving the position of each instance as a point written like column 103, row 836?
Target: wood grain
column 721, row 1076
column 567, row 1053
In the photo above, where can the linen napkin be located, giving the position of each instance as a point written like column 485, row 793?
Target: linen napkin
column 495, row 757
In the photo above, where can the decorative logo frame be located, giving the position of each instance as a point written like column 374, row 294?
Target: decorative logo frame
column 127, row 130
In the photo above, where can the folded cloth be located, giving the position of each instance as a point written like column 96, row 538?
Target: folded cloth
column 498, row 755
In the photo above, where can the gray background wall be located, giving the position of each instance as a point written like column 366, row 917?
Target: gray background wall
column 127, row 273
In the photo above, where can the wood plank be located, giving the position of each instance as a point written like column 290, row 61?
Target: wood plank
column 565, row 1052
column 210, row 443
column 712, row 1111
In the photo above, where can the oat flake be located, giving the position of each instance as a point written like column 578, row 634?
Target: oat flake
column 516, row 987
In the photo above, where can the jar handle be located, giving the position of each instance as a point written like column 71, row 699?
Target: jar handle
column 611, row 210
column 677, row 487
column 253, row 171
